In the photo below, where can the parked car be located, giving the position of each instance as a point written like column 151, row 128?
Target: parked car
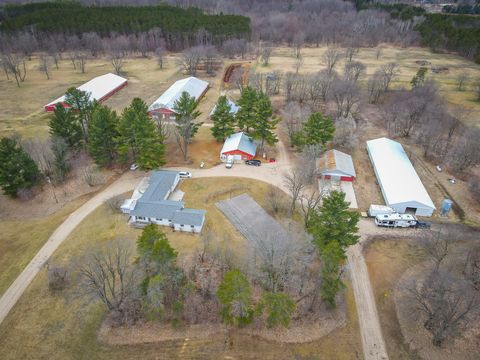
column 452, row 181
column 272, row 160
column 185, row 174
column 134, row 167
column 253, row 162
column 439, row 168
column 423, row 225
column 229, row 163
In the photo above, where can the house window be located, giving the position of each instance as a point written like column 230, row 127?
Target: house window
column 140, row 218
column 192, row 226
column 181, row 225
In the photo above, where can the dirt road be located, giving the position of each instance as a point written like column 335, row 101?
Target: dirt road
column 372, row 338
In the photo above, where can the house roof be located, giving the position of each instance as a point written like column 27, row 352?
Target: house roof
column 153, row 203
column 336, row 161
column 98, row 87
column 239, row 141
column 396, row 175
column 189, row 217
column 233, row 107
column 193, row 86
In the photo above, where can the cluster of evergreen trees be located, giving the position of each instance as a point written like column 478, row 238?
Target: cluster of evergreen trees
column 178, row 25
column 255, row 116
column 108, row 137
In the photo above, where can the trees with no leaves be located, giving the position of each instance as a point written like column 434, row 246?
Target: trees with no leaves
column 295, row 181
column 330, row 58
column 14, row 63
column 109, row 275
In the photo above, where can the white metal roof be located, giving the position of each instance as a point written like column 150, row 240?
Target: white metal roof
column 239, row 141
column 233, row 107
column 98, row 87
column 335, row 162
column 396, row 175
column 193, row 86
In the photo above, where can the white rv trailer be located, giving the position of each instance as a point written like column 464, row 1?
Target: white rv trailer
column 375, row 210
column 396, row 220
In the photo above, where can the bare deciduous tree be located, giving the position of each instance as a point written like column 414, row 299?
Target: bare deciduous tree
column 298, row 63
column 294, row 181
column 44, row 65
column 330, row 58
column 346, row 95
column 15, row 65
column 160, row 55
column 265, row 52
column 389, row 72
column 447, row 303
column 461, row 80
column 294, row 115
column 81, row 58
column 297, row 43
column 345, row 133
column 190, row 59
column 108, row 274
column 353, row 70
column 435, row 246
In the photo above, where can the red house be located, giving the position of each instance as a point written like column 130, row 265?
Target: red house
column 100, row 89
column 240, row 146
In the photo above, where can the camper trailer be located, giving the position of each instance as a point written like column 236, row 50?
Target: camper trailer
column 375, row 210
column 396, row 220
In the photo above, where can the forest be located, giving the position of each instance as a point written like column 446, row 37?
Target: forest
column 174, row 22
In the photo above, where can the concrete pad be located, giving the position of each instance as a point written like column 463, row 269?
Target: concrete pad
column 177, row 195
column 347, row 188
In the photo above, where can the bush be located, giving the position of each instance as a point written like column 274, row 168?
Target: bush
column 92, row 176
column 57, row 278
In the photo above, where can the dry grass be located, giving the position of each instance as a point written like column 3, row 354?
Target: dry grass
column 17, row 247
column 65, row 325
column 283, row 60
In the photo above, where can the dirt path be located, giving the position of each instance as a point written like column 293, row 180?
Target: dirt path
column 372, row 338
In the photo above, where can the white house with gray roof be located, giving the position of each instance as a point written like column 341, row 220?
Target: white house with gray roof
column 150, row 204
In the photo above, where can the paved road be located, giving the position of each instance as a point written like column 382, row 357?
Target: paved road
column 372, row 338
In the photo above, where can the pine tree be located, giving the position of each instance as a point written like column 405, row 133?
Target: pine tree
column 265, row 122
column 103, row 134
column 65, row 125
column 235, row 295
column 139, row 135
column 17, row 169
column 280, row 308
column 246, row 117
column 153, row 245
column 186, row 113
column 419, row 78
column 61, row 167
column 223, row 120
column 334, row 229
column 317, row 130
column 80, row 101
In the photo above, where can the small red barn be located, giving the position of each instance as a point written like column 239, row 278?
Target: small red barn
column 336, row 165
column 240, row 146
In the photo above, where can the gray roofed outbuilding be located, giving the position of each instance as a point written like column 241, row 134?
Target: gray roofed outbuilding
column 334, row 162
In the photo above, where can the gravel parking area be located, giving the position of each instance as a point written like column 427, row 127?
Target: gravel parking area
column 251, row 219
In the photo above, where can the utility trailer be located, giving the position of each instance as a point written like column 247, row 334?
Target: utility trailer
column 396, row 220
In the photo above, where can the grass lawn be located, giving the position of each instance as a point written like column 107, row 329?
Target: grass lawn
column 64, row 326
column 282, row 60
column 21, row 239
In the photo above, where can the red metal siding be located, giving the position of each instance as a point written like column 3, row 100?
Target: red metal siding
column 342, row 178
column 245, row 156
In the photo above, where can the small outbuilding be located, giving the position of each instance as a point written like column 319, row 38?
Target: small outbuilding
column 336, row 165
column 240, row 146
column 233, row 108
column 99, row 89
column 163, row 106
column 401, row 187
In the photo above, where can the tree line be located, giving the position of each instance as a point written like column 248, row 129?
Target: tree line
column 109, row 138
column 178, row 25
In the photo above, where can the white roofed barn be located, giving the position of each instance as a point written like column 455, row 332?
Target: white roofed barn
column 164, row 104
column 100, row 88
column 401, row 187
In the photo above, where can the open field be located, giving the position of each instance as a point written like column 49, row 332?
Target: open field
column 22, row 107
column 282, row 60
column 65, row 325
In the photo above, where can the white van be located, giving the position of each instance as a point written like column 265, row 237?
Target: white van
column 229, row 162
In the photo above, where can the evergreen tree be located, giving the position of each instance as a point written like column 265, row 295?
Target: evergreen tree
column 317, row 130
column 103, row 133
column 186, row 113
column 265, row 122
column 80, row 101
column 419, row 78
column 64, row 124
column 235, row 295
column 17, row 169
column 280, row 308
column 153, row 245
column 334, row 229
column 61, row 167
column 139, row 135
column 246, row 117
column 223, row 120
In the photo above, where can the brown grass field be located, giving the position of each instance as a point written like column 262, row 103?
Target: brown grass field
column 65, row 325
